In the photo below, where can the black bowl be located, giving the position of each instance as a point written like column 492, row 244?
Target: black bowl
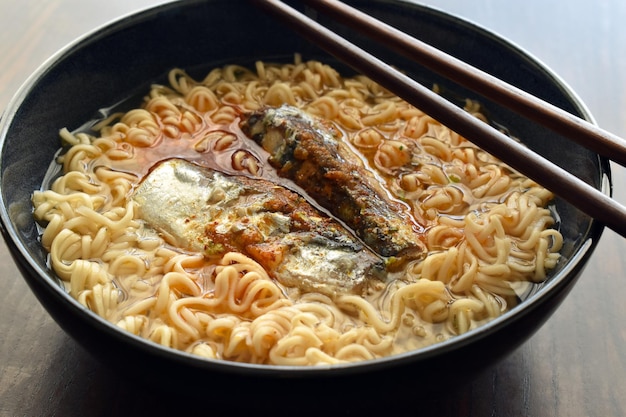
column 121, row 59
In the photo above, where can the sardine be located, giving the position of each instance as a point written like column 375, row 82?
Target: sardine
column 200, row 209
column 306, row 151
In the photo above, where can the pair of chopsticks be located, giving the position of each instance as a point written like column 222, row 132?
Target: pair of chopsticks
column 580, row 194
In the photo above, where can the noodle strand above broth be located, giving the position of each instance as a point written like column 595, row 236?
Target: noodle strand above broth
column 486, row 234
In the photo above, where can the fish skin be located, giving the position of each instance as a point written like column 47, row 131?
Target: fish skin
column 200, row 209
column 304, row 150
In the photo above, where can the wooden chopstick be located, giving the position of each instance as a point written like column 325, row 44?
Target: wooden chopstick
column 576, row 129
column 585, row 197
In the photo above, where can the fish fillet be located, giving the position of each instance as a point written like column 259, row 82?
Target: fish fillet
column 306, row 151
column 200, row 209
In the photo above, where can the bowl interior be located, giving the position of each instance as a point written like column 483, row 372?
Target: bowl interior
column 120, row 60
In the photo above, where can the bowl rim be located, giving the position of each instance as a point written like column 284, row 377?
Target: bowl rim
column 552, row 286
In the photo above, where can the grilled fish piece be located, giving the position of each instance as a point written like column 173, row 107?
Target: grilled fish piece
column 305, row 151
column 199, row 209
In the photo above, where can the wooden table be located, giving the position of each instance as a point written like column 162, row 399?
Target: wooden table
column 574, row 366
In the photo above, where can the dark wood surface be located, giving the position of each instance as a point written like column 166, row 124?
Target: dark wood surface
column 575, row 365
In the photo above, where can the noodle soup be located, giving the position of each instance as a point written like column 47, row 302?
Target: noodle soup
column 483, row 231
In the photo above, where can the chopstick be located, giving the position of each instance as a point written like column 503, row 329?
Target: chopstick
column 578, row 130
column 582, row 195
